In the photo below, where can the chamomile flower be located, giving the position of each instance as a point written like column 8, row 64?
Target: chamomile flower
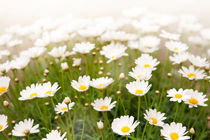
column 175, row 95
column 140, row 73
column 138, row 88
column 20, row 62
column 176, row 46
column 124, row 125
column 195, row 98
column 3, row 122
column 179, row 58
column 192, row 73
column 174, row 131
column 33, row 52
column 149, row 44
column 103, row 104
column 62, row 107
column 82, row 84
column 83, row 48
column 197, row 61
column 170, row 36
column 48, row 89
column 154, row 117
column 4, row 84
column 24, row 128
column 101, row 83
column 31, row 92
column 147, row 62
column 133, row 45
column 64, row 66
column 76, row 62
column 58, row 52
column 113, row 51
column 55, row 135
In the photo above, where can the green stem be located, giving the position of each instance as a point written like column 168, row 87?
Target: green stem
column 177, row 107
column 139, row 106
column 142, row 137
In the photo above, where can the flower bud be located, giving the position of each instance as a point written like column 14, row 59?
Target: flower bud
column 100, row 125
column 64, row 66
column 192, row 131
column 67, row 100
column 122, row 76
column 6, row 103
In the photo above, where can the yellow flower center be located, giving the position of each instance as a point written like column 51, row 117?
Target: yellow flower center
column 100, row 85
column 174, row 136
column 103, row 107
column 175, row 49
column 178, row 96
column 82, row 87
column 193, row 101
column 33, row 95
column 113, row 57
column 125, row 129
column 49, row 92
column 147, row 65
column 139, row 91
column 64, row 108
column 1, row 127
column 154, row 121
column 2, row 89
column 139, row 75
column 191, row 75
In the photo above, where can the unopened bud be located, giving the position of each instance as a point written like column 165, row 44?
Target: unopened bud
column 58, row 128
column 100, row 72
column 9, row 134
column 47, row 103
column 118, row 92
column 16, row 79
column 67, row 100
column 101, row 68
column 93, row 53
column 6, row 103
column 121, row 76
column 100, row 61
column 157, row 92
column 56, row 117
column 169, row 74
column 44, row 80
column 192, row 131
column 86, row 104
column 108, row 74
column 64, row 66
column 100, row 125
column 120, row 64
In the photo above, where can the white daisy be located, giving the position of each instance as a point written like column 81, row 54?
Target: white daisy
column 4, row 84
column 49, row 90
column 178, row 58
column 197, row 61
column 31, row 92
column 64, row 66
column 33, row 52
column 178, row 96
column 124, row 125
column 170, row 36
column 113, row 51
column 55, row 135
column 83, row 48
column 195, row 98
column 101, row 83
column 20, row 62
column 82, row 84
column 192, row 73
column 149, row 44
column 76, row 62
column 176, row 46
column 3, row 122
column 24, row 128
column 140, row 73
column 103, row 104
column 5, row 67
column 133, row 45
column 147, row 62
column 62, row 107
column 154, row 117
column 174, row 131
column 58, row 52
column 138, row 88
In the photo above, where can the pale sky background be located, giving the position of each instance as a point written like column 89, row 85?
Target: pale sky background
column 24, row 12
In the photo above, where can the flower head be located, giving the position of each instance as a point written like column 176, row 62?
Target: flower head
column 55, row 135
column 154, row 117
column 63, row 107
column 82, row 84
column 175, row 95
column 101, row 83
column 103, row 104
column 176, row 46
column 83, row 48
column 3, row 122
column 4, row 84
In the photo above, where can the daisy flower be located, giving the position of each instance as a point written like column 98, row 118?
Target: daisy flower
column 24, row 128
column 140, row 73
column 124, row 125
column 170, row 36
column 62, row 107
column 82, row 84
column 192, row 73
column 3, row 122
column 176, row 46
column 154, row 117
column 31, row 92
column 58, row 52
column 20, row 62
column 76, row 62
column 174, row 131
column 195, row 98
column 55, row 135
column 133, row 45
column 147, row 62
column 4, row 84
column 138, row 88
column 149, row 44
column 83, row 48
column 197, row 61
column 64, row 66
column 49, row 90
column 113, row 51
column 33, row 52
column 179, row 58
column 175, row 95
column 101, row 83
column 103, row 104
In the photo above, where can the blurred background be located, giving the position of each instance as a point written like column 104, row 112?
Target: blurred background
column 25, row 12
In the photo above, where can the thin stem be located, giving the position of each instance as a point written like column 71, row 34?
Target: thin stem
column 142, row 137
column 177, row 107
column 139, row 106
